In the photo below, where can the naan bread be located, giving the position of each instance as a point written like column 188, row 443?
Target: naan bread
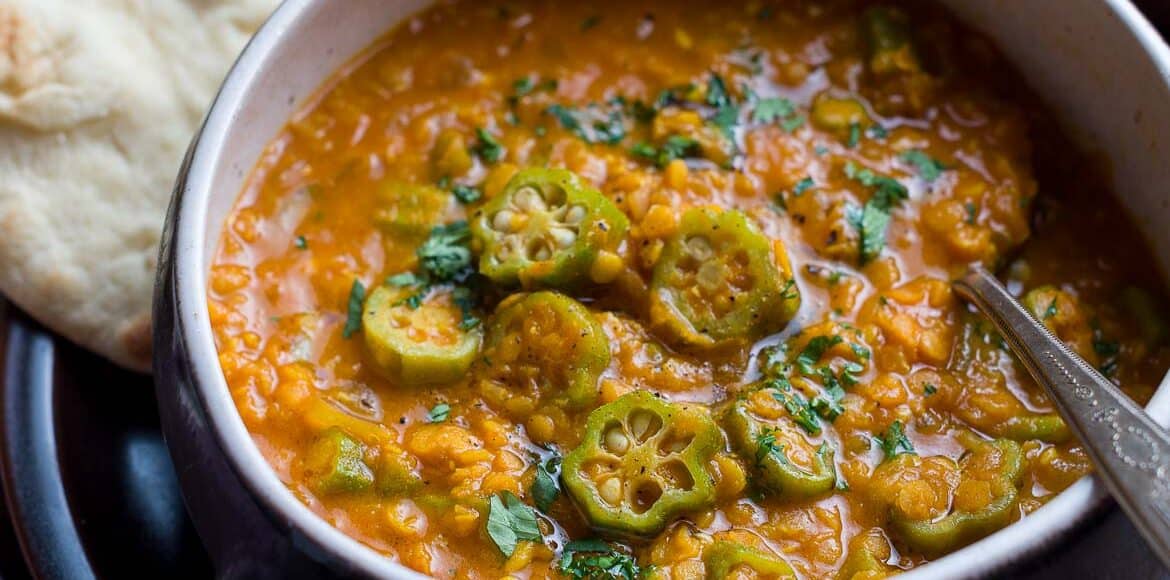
column 98, row 101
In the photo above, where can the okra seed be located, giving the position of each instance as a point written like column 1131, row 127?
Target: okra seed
column 575, row 215
column 502, row 221
column 616, row 441
column 611, row 491
column 563, row 237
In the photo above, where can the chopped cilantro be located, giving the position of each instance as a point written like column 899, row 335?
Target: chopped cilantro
column 772, row 109
column 894, row 441
column 775, row 109
column 439, row 413
column 790, row 291
column 404, row 279
column 792, row 123
column 801, row 411
column 675, row 147
column 929, row 389
column 644, row 149
column 592, row 124
column 887, row 190
column 413, row 301
column 300, row 243
column 466, row 300
column 1051, row 311
column 972, row 212
column 873, row 219
column 877, row 132
column 642, row 112
column 726, row 118
column 871, row 223
column 717, row 95
column 849, row 373
column 445, row 257
column 487, row 147
column 779, row 203
column 594, row 559
column 523, row 86
column 854, row 135
column 766, row 446
column 545, row 487
column 929, row 168
column 814, row 350
column 509, row 521
column 590, row 22
column 353, row 317
column 466, row 194
column 802, row 186
column 829, row 407
column 860, row 351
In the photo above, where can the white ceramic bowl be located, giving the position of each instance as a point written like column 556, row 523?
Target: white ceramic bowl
column 1097, row 63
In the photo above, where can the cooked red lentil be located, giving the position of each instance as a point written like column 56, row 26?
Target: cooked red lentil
column 661, row 289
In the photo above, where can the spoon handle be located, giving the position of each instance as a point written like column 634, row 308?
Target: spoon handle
column 1130, row 451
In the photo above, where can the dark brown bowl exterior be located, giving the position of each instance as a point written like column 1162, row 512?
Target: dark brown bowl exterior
column 244, row 538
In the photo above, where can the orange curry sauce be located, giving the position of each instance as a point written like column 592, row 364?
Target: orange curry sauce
column 986, row 177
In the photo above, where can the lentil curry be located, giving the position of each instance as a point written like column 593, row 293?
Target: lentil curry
column 660, row 289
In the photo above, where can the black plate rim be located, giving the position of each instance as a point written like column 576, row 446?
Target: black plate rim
column 29, row 464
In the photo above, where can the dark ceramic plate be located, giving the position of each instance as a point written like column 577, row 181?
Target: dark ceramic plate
column 90, row 489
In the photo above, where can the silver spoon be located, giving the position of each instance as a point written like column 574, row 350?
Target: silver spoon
column 1131, row 453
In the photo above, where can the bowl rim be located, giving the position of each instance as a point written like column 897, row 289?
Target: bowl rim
column 1043, row 527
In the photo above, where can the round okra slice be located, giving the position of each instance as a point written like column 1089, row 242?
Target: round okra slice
column 418, row 339
column 545, row 230
column 938, row 504
column 726, row 559
column 642, row 464
column 786, row 462
column 549, row 344
column 336, row 464
column 720, row 280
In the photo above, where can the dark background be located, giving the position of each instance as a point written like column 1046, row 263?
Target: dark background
column 124, row 501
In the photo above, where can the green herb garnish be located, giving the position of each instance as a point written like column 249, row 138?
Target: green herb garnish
column 545, row 487
column 353, row 317
column 445, row 257
column 509, row 521
column 487, row 147
column 854, row 135
column 675, row 147
column 466, row 194
column 929, row 168
column 814, row 350
column 894, row 441
column 594, row 559
column 873, row 219
column 801, row 410
column 802, row 186
column 438, row 413
column 404, row 279
column 1051, row 311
